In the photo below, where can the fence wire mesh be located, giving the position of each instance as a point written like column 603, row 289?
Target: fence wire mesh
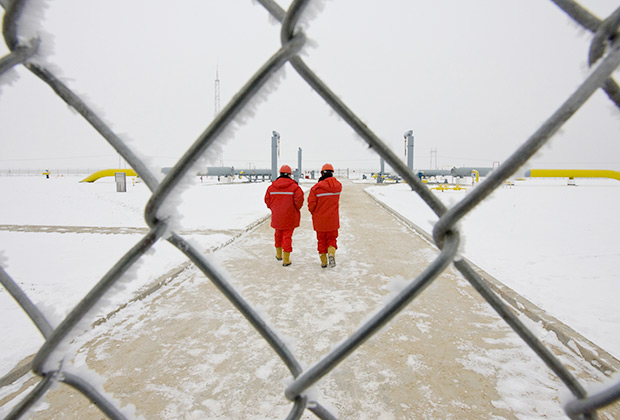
column 604, row 56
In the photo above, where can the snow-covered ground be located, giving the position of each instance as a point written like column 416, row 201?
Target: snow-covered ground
column 58, row 259
column 554, row 244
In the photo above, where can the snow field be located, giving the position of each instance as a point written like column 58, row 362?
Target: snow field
column 211, row 223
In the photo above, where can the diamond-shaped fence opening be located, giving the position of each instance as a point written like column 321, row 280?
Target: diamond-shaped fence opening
column 605, row 59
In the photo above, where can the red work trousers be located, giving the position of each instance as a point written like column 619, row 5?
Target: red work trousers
column 325, row 240
column 284, row 239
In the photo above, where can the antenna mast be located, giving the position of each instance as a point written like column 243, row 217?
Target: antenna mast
column 217, row 92
column 216, row 107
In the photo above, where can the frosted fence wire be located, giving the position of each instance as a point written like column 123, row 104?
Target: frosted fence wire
column 604, row 57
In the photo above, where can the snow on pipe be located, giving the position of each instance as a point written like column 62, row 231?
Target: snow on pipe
column 108, row 172
column 573, row 173
column 227, row 171
column 532, row 173
column 457, row 172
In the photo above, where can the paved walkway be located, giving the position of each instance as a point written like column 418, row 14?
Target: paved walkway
column 185, row 352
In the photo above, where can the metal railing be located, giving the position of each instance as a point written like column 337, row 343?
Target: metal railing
column 604, row 57
column 41, row 172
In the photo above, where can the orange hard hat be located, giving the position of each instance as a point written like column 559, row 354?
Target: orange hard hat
column 285, row 169
column 327, row 167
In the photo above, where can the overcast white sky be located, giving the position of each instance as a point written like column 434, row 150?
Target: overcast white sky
column 472, row 79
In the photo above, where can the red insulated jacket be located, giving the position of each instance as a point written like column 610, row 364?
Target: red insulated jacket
column 284, row 198
column 323, row 203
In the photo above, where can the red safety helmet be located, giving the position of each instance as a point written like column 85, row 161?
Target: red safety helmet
column 327, row 167
column 285, row 169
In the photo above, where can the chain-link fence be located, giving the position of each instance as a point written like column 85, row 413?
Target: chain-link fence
column 604, row 57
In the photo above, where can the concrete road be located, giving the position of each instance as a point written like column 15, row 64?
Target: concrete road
column 184, row 352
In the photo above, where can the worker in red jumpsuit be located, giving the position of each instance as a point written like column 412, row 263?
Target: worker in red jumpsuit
column 323, row 203
column 284, row 198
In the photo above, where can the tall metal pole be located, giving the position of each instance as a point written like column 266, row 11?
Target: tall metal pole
column 380, row 177
column 298, row 171
column 409, row 137
column 274, row 155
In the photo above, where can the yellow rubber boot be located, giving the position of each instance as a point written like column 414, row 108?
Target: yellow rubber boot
column 286, row 258
column 279, row 253
column 323, row 260
column 331, row 256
